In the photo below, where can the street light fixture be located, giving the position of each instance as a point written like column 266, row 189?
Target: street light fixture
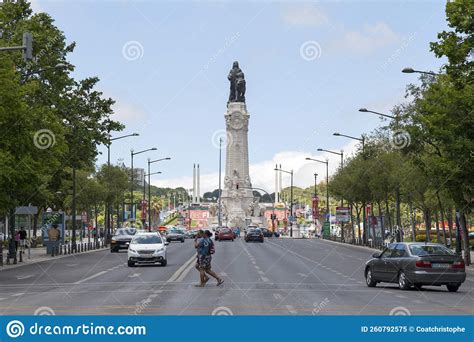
column 365, row 110
column 144, row 193
column 291, row 197
column 361, row 139
column 132, row 178
column 327, row 182
column 149, row 186
column 411, row 71
column 107, row 216
column 57, row 66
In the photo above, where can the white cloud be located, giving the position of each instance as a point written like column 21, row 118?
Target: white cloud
column 35, row 6
column 128, row 112
column 306, row 15
column 262, row 174
column 369, row 39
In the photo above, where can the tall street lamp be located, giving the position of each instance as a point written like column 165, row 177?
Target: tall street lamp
column 327, row 183
column 219, row 213
column 362, row 140
column 365, row 110
column 144, row 194
column 411, row 71
column 291, row 197
column 149, row 186
column 107, row 214
column 132, row 178
column 342, row 166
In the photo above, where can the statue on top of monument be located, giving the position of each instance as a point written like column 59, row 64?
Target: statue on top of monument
column 237, row 84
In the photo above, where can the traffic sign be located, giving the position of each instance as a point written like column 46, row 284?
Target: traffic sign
column 343, row 214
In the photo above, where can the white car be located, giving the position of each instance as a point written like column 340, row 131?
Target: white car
column 147, row 248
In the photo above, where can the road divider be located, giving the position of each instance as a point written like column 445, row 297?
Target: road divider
column 182, row 271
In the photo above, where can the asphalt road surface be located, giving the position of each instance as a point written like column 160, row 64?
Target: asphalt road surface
column 278, row 277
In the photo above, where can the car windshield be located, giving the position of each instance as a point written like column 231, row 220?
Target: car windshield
column 225, row 230
column 126, row 231
column 176, row 231
column 146, row 239
column 254, row 230
column 421, row 250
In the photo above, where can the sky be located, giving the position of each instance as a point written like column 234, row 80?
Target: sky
column 309, row 67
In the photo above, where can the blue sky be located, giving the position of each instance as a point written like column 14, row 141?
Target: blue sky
column 173, row 91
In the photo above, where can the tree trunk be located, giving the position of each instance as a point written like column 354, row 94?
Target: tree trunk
column 441, row 211
column 387, row 209
column 427, row 215
column 382, row 226
column 359, row 237
column 352, row 225
column 450, row 225
column 438, row 237
column 465, row 238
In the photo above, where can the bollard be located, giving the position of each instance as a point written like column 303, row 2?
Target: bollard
column 21, row 256
column 68, row 249
column 1, row 253
column 14, row 259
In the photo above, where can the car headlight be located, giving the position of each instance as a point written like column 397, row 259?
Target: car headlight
column 113, row 240
column 132, row 250
column 160, row 250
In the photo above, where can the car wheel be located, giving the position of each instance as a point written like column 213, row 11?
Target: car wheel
column 182, row 240
column 453, row 288
column 232, row 240
column 112, row 250
column 403, row 282
column 369, row 278
column 131, row 263
column 164, row 262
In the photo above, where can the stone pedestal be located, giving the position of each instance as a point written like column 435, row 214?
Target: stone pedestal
column 237, row 197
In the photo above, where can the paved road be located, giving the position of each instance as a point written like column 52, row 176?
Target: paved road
column 278, row 277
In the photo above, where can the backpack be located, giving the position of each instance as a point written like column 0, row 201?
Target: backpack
column 212, row 249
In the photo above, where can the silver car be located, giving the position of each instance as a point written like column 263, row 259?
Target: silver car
column 416, row 264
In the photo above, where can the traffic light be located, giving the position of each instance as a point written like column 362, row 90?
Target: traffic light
column 27, row 46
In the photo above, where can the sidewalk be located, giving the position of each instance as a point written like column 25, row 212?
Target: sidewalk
column 38, row 255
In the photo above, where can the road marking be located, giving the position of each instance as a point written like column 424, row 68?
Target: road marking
column 277, row 296
column 181, row 270
column 2, row 298
column 223, row 274
column 24, row 277
column 134, row 275
column 261, row 273
column 89, row 278
column 302, row 274
column 264, row 279
column 153, row 295
column 291, row 309
column 71, row 265
column 401, row 296
column 18, row 294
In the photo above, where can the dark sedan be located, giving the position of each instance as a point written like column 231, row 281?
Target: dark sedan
column 416, row 264
column 254, row 234
column 269, row 233
column 121, row 239
column 175, row 234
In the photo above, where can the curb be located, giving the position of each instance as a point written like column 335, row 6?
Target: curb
column 33, row 261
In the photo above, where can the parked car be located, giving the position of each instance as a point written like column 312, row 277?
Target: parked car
column 268, row 233
column 225, row 234
column 175, row 234
column 147, row 248
column 416, row 264
column 254, row 234
column 121, row 239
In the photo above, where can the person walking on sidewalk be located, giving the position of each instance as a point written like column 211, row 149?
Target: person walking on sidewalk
column 23, row 236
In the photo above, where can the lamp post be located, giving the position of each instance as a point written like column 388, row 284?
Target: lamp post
column 411, row 71
column 362, row 140
column 132, row 178
column 315, row 184
column 219, row 218
column 149, row 197
column 365, row 110
column 149, row 186
column 342, row 166
column 291, row 197
column 327, row 183
column 57, row 66
column 107, row 214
